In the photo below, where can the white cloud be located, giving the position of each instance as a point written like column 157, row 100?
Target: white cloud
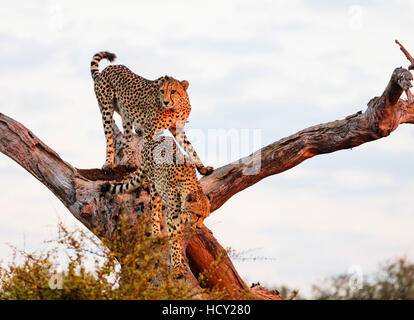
column 401, row 141
column 355, row 179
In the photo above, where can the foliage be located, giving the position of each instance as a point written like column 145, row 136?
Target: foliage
column 287, row 293
column 393, row 281
column 127, row 265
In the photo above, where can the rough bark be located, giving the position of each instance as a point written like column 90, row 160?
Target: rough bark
column 78, row 189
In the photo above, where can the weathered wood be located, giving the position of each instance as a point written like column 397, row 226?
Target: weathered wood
column 382, row 116
column 78, row 189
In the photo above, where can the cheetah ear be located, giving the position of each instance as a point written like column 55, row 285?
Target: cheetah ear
column 160, row 83
column 185, row 84
column 190, row 197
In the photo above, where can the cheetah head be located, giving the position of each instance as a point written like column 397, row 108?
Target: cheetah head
column 173, row 93
column 196, row 207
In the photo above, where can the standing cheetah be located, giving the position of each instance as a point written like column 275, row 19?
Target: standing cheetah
column 173, row 181
column 148, row 106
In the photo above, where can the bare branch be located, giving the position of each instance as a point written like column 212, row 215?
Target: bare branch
column 26, row 149
column 406, row 53
column 410, row 96
column 382, row 116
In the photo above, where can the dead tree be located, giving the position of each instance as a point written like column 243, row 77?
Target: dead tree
column 78, row 189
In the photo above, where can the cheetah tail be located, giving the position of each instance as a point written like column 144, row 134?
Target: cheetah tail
column 133, row 184
column 95, row 62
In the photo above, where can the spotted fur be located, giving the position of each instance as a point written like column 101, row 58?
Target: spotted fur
column 148, row 106
column 173, row 181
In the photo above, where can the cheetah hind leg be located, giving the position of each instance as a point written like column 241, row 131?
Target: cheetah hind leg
column 126, row 142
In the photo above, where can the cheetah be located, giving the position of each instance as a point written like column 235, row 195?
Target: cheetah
column 173, row 181
column 148, row 106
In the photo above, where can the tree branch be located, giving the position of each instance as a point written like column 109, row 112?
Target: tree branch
column 26, row 149
column 382, row 116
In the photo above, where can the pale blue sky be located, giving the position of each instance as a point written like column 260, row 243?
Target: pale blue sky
column 277, row 66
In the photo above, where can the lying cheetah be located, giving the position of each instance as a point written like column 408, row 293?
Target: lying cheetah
column 148, row 106
column 173, row 181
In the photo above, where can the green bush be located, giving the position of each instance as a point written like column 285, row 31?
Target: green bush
column 128, row 265
column 393, row 281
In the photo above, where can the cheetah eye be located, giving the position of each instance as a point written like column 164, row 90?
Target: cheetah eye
column 172, row 91
column 162, row 91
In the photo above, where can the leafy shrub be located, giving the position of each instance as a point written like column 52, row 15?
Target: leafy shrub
column 393, row 281
column 127, row 265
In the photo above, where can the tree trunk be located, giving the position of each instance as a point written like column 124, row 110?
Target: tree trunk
column 78, row 189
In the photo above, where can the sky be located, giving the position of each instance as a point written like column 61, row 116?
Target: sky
column 258, row 71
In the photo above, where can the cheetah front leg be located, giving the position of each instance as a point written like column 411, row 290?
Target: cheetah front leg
column 179, row 134
column 126, row 142
column 175, row 225
column 107, row 119
column 156, row 212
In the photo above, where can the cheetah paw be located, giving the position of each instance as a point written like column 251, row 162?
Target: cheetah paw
column 205, row 171
column 130, row 167
column 107, row 168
